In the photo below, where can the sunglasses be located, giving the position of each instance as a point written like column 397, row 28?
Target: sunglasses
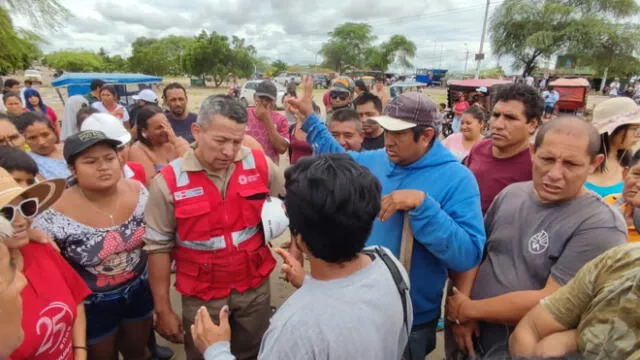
column 28, row 208
column 339, row 96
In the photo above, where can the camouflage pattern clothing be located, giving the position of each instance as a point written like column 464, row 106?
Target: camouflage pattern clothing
column 601, row 302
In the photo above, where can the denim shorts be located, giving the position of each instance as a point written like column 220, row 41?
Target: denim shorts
column 106, row 311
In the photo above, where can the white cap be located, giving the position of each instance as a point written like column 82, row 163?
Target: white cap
column 109, row 125
column 274, row 218
column 146, row 95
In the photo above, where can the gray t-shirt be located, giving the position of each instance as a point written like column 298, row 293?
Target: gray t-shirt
column 527, row 240
column 357, row 317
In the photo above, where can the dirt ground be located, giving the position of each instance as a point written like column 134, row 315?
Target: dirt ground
column 280, row 290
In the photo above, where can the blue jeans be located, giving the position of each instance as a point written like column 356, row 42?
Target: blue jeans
column 455, row 125
column 422, row 341
column 105, row 311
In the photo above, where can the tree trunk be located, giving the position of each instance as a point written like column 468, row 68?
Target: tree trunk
column 217, row 81
column 529, row 65
column 604, row 79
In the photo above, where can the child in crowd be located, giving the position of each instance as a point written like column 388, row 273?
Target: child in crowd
column 19, row 164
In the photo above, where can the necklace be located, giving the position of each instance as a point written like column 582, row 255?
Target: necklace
column 110, row 216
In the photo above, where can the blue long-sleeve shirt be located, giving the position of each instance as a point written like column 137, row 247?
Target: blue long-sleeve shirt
column 448, row 226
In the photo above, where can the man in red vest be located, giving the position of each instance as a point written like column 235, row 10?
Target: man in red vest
column 204, row 211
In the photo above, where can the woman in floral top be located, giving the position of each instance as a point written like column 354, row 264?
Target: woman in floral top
column 98, row 226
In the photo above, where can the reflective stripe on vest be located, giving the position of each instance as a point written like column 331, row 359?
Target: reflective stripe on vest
column 249, row 163
column 182, row 178
column 217, row 242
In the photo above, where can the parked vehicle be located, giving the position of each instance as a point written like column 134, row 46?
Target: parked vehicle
column 249, row 89
column 285, row 78
column 401, row 87
column 33, row 75
column 573, row 95
column 127, row 85
column 471, row 86
column 321, row 81
column 432, row 77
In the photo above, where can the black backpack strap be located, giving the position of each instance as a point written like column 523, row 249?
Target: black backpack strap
column 401, row 284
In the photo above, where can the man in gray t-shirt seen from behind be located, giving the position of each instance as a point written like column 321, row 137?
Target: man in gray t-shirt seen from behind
column 539, row 234
column 354, row 304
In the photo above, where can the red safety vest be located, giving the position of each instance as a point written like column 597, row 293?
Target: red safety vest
column 220, row 244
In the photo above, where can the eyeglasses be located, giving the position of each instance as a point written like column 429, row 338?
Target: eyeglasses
column 28, row 208
column 10, row 140
column 339, row 96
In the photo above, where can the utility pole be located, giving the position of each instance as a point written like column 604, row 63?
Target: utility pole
column 435, row 55
column 466, row 60
column 480, row 55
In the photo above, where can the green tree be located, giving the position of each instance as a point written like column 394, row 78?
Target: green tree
column 278, row 66
column 351, row 45
column 158, row 56
column 611, row 48
column 19, row 47
column 531, row 30
column 397, row 49
column 347, row 46
column 114, row 63
column 492, row 73
column 213, row 55
column 75, row 61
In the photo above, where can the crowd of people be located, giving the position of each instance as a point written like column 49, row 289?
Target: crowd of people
column 525, row 227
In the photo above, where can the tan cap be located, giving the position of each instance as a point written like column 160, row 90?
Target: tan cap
column 613, row 113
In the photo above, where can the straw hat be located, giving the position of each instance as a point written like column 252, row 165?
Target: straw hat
column 613, row 113
column 47, row 192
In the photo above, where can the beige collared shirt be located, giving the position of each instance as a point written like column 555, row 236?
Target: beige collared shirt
column 159, row 215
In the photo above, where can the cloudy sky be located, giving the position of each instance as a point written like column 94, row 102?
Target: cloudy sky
column 291, row 30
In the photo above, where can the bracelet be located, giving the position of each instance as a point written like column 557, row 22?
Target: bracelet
column 79, row 347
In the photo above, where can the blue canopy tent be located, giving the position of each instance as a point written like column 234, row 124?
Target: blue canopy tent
column 78, row 83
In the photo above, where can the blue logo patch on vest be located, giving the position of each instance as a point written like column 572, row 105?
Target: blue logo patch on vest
column 186, row 194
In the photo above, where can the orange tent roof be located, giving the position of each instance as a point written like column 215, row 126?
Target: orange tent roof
column 577, row 82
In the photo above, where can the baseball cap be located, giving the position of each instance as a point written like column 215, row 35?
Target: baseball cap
column 81, row 141
column 109, row 125
column 408, row 111
column 342, row 84
column 268, row 89
column 613, row 113
column 146, row 95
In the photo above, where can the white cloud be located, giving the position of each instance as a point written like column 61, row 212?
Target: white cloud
column 290, row 30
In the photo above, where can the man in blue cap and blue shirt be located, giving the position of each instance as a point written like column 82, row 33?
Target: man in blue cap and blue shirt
column 421, row 178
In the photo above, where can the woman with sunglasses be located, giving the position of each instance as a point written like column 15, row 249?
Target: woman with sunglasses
column 98, row 225
column 53, row 322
